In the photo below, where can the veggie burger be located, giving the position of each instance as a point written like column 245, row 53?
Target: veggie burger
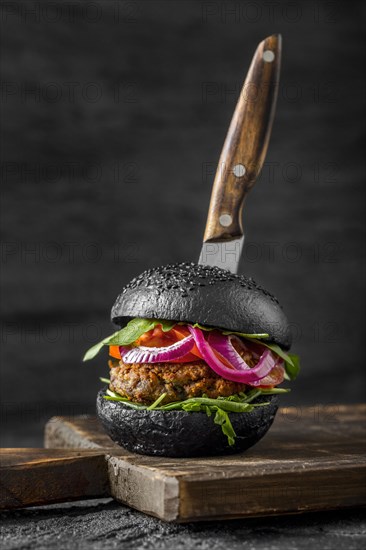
column 196, row 363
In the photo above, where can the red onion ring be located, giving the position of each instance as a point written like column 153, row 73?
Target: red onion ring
column 145, row 354
column 241, row 372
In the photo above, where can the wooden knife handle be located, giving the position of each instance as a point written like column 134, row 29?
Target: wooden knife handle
column 246, row 143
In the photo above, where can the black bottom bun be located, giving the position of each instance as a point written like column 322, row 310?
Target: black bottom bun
column 181, row 434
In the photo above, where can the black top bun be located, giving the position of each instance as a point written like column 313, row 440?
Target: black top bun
column 203, row 294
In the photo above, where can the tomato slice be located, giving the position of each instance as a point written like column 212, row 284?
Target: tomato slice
column 114, row 352
column 180, row 331
column 156, row 338
column 275, row 377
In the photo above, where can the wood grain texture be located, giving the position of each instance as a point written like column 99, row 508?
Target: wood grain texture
column 38, row 476
column 313, row 458
column 246, row 141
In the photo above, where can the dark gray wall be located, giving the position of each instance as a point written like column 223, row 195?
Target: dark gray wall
column 114, row 115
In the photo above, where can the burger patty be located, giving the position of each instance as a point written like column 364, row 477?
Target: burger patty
column 145, row 382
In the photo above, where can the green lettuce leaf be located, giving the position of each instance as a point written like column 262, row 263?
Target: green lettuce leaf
column 222, row 419
column 292, row 367
column 131, row 332
column 93, row 351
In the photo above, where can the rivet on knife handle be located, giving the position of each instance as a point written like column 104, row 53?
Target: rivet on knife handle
column 246, row 143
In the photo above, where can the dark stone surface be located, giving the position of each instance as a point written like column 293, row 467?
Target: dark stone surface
column 104, row 525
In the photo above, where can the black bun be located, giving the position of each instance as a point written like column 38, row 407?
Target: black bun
column 182, row 434
column 203, row 294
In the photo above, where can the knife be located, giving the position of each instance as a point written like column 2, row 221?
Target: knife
column 242, row 157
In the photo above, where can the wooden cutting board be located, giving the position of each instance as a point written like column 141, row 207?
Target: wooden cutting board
column 313, row 458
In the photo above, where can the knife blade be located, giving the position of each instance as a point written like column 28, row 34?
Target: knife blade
column 242, row 157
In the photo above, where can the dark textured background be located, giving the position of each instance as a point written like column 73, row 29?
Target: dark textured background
column 114, row 115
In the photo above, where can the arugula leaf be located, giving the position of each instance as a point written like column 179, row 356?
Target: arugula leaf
column 279, row 351
column 293, row 368
column 124, row 401
column 112, row 396
column 256, row 336
column 93, row 351
column 208, row 411
column 191, row 406
column 222, row 419
column 225, row 404
column 166, row 326
column 127, row 335
column 157, row 402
